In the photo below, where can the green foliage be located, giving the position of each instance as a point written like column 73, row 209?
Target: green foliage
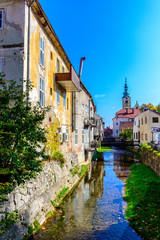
column 104, row 149
column 8, row 221
column 34, row 227
column 74, row 170
column 84, row 168
column 142, row 193
column 145, row 147
column 126, row 134
column 21, row 132
column 148, row 106
column 96, row 156
column 60, row 197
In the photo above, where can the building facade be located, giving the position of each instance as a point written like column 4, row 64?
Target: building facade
column 31, row 50
column 147, row 127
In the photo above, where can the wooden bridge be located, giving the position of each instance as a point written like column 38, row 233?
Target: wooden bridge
column 118, row 142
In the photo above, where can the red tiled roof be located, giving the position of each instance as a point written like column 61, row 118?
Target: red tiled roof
column 128, row 113
column 125, row 125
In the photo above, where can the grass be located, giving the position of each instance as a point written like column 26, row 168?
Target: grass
column 142, row 193
column 104, row 149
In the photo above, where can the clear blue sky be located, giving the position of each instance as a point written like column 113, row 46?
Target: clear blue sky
column 119, row 38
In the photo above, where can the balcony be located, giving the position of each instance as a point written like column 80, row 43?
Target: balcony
column 69, row 81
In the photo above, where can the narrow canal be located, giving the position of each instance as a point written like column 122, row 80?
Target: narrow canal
column 96, row 208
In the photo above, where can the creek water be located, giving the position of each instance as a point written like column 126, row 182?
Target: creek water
column 96, row 209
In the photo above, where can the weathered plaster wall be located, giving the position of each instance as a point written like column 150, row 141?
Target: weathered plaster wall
column 33, row 199
column 151, row 160
column 12, row 46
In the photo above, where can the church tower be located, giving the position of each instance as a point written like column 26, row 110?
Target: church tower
column 126, row 100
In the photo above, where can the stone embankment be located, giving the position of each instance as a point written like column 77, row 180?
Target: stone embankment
column 33, row 199
column 151, row 160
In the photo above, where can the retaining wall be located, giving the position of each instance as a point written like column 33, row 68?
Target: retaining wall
column 33, row 199
column 151, row 160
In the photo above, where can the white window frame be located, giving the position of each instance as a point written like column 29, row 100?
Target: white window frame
column 57, row 65
column 58, row 96
column 42, row 46
column 1, row 64
column 83, row 136
column 41, row 88
column 82, row 110
column 64, row 100
column 63, row 69
column 67, row 134
column 76, row 137
column 2, row 27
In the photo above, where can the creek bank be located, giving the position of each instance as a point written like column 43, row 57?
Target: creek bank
column 142, row 193
column 33, row 201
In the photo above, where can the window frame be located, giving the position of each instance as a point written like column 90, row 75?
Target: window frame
column 42, row 51
column 41, row 89
column 58, row 96
column 67, row 134
column 64, row 100
column 83, row 136
column 76, row 137
column 2, row 11
column 82, row 110
column 57, row 65
column 153, row 120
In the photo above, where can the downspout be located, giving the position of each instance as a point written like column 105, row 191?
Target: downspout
column 28, row 49
column 89, row 126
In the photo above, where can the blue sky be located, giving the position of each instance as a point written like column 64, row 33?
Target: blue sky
column 119, row 38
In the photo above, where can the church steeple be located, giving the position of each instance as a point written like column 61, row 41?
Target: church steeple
column 126, row 100
column 126, row 93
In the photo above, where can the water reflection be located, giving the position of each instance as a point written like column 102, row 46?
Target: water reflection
column 96, row 209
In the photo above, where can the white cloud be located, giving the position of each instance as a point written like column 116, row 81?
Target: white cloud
column 99, row 96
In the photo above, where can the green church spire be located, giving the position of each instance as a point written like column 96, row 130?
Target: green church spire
column 126, row 93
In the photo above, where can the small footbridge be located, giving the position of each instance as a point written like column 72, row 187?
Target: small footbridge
column 118, row 142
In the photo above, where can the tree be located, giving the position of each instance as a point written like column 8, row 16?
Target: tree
column 22, row 137
column 127, row 134
column 148, row 106
column 158, row 108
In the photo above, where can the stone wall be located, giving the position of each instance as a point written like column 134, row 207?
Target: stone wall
column 151, row 160
column 33, row 199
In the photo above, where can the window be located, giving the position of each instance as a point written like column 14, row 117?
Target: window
column 76, row 121
column 51, row 55
column 1, row 19
column 146, row 137
column 57, row 66
column 142, row 121
column 91, row 112
column 50, row 91
column 116, row 123
column 67, row 133
column 117, row 131
column 1, row 64
column 139, row 123
column 63, row 69
column 76, row 110
column 155, row 119
column 142, row 136
column 76, row 137
column 42, row 51
column 145, row 119
column 83, row 110
column 136, row 135
column 67, row 104
column 83, row 136
column 64, row 100
column 135, row 123
column 58, row 96
column 86, row 111
column 41, row 92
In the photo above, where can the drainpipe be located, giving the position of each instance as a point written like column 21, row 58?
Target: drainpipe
column 80, row 67
column 89, row 126
column 72, row 112
column 28, row 48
